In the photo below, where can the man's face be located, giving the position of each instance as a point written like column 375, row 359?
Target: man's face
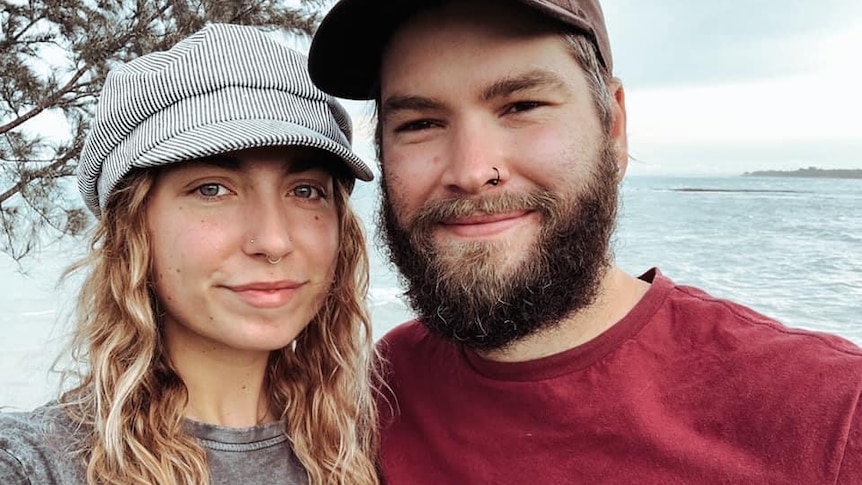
column 462, row 101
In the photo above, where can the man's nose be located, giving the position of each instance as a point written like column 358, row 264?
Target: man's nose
column 476, row 161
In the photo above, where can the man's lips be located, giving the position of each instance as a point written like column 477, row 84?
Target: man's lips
column 483, row 225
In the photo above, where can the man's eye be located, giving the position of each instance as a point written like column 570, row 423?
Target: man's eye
column 522, row 106
column 417, row 125
column 308, row 192
column 211, row 190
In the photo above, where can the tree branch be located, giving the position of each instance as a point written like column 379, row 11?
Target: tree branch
column 47, row 103
column 43, row 172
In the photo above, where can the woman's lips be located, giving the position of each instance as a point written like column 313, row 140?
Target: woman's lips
column 266, row 294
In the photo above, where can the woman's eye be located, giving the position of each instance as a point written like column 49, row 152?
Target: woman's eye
column 211, row 190
column 306, row 191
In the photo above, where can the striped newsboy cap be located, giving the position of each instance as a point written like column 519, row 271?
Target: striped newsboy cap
column 224, row 88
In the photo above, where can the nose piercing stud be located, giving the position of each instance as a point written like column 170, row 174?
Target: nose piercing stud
column 271, row 260
column 496, row 180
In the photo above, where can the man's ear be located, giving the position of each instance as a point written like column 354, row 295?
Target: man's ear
column 618, row 134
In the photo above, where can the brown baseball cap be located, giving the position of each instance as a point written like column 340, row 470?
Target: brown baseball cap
column 344, row 58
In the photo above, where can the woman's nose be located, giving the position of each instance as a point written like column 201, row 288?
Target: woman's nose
column 269, row 231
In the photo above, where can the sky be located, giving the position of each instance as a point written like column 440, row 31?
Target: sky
column 727, row 86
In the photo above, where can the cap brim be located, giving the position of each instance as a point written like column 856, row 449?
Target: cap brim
column 234, row 135
column 344, row 56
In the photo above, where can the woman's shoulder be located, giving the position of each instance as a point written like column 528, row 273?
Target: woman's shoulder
column 49, row 419
column 40, row 446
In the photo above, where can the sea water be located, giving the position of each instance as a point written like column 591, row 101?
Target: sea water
column 789, row 248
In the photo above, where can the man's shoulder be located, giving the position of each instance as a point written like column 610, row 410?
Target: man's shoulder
column 410, row 342
column 702, row 318
column 407, row 332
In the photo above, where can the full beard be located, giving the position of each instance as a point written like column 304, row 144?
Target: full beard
column 459, row 290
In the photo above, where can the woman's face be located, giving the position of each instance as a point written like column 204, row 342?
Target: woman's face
column 244, row 248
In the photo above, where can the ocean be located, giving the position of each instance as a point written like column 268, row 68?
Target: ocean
column 790, row 248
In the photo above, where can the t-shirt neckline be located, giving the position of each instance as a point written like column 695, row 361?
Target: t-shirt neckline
column 583, row 355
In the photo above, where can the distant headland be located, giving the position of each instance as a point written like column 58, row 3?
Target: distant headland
column 810, row 172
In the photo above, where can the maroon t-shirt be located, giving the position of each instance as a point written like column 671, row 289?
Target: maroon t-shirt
column 686, row 389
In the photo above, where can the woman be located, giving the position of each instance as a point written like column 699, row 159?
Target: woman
column 220, row 330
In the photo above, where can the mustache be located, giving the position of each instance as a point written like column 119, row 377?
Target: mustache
column 444, row 210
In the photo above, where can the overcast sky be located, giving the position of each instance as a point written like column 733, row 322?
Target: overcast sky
column 725, row 86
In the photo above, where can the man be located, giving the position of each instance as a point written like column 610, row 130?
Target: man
column 502, row 140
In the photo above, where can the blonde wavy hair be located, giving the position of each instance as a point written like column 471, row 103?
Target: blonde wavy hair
column 128, row 400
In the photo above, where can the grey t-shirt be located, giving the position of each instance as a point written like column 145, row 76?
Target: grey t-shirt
column 36, row 448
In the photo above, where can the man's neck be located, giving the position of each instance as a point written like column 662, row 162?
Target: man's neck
column 619, row 292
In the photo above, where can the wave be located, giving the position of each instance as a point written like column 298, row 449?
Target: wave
column 386, row 295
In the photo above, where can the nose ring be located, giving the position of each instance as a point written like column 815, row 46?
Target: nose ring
column 271, row 260
column 496, row 180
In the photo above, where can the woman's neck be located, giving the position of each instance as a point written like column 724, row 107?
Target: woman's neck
column 226, row 387
column 227, row 400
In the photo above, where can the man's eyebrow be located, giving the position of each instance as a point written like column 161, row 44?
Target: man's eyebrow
column 396, row 103
column 538, row 78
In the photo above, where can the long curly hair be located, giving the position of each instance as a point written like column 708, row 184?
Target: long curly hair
column 128, row 400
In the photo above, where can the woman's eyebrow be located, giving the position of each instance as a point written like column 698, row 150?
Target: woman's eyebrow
column 318, row 161
column 219, row 161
